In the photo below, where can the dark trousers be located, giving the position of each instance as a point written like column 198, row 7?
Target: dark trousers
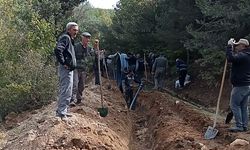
column 182, row 77
column 96, row 72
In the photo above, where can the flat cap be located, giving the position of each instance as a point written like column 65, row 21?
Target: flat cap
column 86, row 34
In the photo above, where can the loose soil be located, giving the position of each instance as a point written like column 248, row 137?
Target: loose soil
column 159, row 122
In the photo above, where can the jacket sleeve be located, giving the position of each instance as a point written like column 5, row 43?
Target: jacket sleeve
column 60, row 47
column 232, row 56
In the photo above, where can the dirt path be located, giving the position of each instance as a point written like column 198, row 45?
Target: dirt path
column 160, row 122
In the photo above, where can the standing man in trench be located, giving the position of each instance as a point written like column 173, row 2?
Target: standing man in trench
column 65, row 55
column 240, row 79
column 159, row 70
column 82, row 52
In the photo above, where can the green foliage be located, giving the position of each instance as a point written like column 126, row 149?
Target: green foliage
column 95, row 21
column 29, row 29
column 27, row 84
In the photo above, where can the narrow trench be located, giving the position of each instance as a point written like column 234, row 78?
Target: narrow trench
column 139, row 140
column 154, row 116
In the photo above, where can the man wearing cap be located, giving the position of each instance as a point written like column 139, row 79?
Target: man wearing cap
column 65, row 55
column 240, row 79
column 82, row 51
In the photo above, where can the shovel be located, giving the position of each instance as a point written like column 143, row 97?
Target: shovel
column 211, row 131
column 106, row 70
column 103, row 111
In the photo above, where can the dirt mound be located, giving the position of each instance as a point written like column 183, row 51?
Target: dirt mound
column 85, row 130
column 160, row 122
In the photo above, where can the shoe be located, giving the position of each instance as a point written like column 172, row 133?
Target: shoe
column 68, row 115
column 245, row 129
column 64, row 118
column 63, row 115
column 72, row 104
column 236, row 129
column 78, row 101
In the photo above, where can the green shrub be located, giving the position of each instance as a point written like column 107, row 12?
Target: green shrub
column 27, row 84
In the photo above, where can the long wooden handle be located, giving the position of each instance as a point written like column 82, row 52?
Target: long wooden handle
column 106, row 69
column 219, row 97
column 99, row 71
column 145, row 68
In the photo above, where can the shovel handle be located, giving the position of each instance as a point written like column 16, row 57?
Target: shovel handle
column 145, row 67
column 99, row 72
column 106, row 69
column 220, row 93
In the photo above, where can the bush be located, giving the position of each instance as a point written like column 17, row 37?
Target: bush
column 27, row 84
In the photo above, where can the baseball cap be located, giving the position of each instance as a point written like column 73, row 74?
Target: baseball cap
column 242, row 41
column 86, row 34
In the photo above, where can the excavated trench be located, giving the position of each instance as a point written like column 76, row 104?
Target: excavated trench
column 159, row 122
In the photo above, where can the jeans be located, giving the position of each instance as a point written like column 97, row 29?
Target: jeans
column 239, row 105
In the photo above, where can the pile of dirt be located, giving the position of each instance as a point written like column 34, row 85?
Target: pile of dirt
column 85, row 130
column 159, row 122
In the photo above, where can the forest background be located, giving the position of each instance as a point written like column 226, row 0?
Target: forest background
column 195, row 30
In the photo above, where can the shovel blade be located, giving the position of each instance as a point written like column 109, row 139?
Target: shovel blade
column 103, row 111
column 210, row 133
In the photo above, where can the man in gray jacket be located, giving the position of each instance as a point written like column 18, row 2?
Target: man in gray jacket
column 65, row 55
column 82, row 51
column 159, row 71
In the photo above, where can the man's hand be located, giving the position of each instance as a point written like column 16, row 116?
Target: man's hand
column 231, row 42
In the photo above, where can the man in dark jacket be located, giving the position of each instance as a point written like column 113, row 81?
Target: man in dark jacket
column 240, row 79
column 131, row 62
column 82, row 52
column 182, row 71
column 65, row 55
column 139, row 68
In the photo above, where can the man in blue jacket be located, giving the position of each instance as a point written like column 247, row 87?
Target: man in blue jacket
column 65, row 55
column 240, row 79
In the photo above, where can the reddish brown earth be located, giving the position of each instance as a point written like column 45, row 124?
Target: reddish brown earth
column 160, row 122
